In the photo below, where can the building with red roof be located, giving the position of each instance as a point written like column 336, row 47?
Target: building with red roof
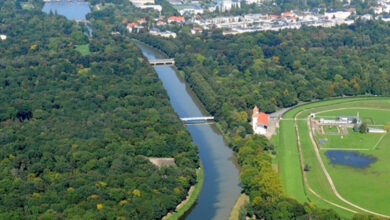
column 130, row 26
column 178, row 19
column 259, row 121
column 141, row 21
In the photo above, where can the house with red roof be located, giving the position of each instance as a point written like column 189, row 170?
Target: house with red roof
column 161, row 23
column 141, row 21
column 273, row 16
column 287, row 14
column 178, row 19
column 259, row 121
column 130, row 26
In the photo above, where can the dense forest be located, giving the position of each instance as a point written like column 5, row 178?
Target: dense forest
column 76, row 130
column 231, row 74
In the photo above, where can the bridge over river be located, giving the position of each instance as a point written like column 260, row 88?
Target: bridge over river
column 162, row 62
column 197, row 119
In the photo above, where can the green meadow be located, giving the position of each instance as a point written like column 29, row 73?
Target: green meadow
column 352, row 141
column 83, row 49
column 363, row 187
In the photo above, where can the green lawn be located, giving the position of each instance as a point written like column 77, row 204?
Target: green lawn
column 83, row 49
column 367, row 187
column 289, row 164
column 330, row 129
column 353, row 140
column 27, row 6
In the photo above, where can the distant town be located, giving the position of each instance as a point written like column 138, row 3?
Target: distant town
column 191, row 13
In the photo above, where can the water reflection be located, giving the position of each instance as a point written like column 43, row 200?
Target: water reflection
column 349, row 158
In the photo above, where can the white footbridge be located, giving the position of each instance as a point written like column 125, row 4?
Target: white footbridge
column 162, row 62
column 197, row 119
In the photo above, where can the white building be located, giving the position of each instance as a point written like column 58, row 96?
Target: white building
column 189, row 9
column 167, row 34
column 259, row 121
column 3, row 37
column 376, row 130
column 142, row 2
column 337, row 14
column 227, row 5
column 145, row 4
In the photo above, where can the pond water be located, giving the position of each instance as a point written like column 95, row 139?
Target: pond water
column 71, row 10
column 349, row 158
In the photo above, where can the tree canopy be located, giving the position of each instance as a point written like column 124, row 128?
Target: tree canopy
column 76, row 131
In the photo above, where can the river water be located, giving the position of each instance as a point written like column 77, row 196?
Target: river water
column 221, row 185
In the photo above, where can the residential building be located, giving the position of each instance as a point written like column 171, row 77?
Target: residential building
column 157, row 32
column 227, row 5
column 177, row 19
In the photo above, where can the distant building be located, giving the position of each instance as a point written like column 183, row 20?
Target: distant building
column 259, row 121
column 378, row 9
column 189, row 9
column 376, row 130
column 248, row 2
column 177, row 19
column 142, row 2
column 145, row 4
column 227, row 5
column 157, row 32
column 349, row 119
column 3, row 37
column 366, row 17
column 338, row 14
column 342, row 120
column 161, row 23
column 196, row 30
column 131, row 26
column 141, row 21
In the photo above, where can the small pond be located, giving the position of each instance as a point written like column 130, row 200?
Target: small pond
column 349, row 158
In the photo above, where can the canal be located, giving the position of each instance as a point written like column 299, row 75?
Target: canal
column 221, row 185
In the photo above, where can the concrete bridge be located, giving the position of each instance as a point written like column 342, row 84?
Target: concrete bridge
column 162, row 62
column 197, row 119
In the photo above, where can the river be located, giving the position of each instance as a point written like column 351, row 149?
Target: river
column 221, row 185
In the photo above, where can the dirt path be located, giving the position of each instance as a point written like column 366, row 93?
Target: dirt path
column 318, row 156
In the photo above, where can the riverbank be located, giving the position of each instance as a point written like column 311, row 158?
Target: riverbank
column 241, row 202
column 191, row 199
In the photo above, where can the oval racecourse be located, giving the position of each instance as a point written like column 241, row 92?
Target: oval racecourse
column 304, row 138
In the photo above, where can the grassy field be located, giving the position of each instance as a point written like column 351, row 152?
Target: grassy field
column 27, row 6
column 359, row 186
column 289, row 165
column 353, row 140
column 330, row 129
column 83, row 49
